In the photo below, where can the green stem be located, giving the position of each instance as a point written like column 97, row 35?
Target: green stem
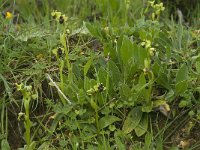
column 107, row 80
column 66, row 48
column 97, row 121
column 97, row 116
column 2, row 117
column 27, row 123
column 61, row 75
column 151, row 77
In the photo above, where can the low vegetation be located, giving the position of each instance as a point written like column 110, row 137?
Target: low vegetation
column 99, row 74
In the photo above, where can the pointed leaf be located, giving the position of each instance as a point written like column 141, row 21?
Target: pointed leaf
column 163, row 80
column 87, row 66
column 142, row 126
column 161, row 76
column 142, row 81
column 5, row 145
column 147, row 107
column 126, row 50
column 119, row 143
column 182, row 74
column 44, row 145
column 107, row 120
column 148, row 140
column 142, row 55
column 132, row 120
column 115, row 73
column 198, row 66
column 181, row 87
column 57, row 118
column 94, row 104
column 94, row 29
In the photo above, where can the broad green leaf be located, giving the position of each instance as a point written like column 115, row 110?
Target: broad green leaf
column 198, row 66
column 57, row 118
column 142, row 55
column 148, row 140
column 90, row 28
column 124, row 90
column 119, row 143
column 108, row 49
column 126, row 50
column 94, row 104
column 142, row 81
column 147, row 107
column 162, row 78
column 76, row 70
column 102, row 75
column 115, row 73
column 94, row 29
column 87, row 66
column 5, row 145
column 119, row 42
column 141, row 128
column 132, row 120
column 87, row 83
column 106, row 111
column 107, row 120
column 182, row 74
column 156, row 67
column 140, row 88
column 45, row 145
column 170, row 95
column 181, row 87
column 32, row 145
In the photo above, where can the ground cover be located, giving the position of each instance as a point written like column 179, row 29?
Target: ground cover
column 99, row 75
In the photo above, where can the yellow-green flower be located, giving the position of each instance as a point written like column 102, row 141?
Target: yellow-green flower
column 61, row 18
column 99, row 87
column 8, row 15
column 55, row 14
column 58, row 52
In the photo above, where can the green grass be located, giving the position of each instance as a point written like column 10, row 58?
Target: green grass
column 114, row 75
